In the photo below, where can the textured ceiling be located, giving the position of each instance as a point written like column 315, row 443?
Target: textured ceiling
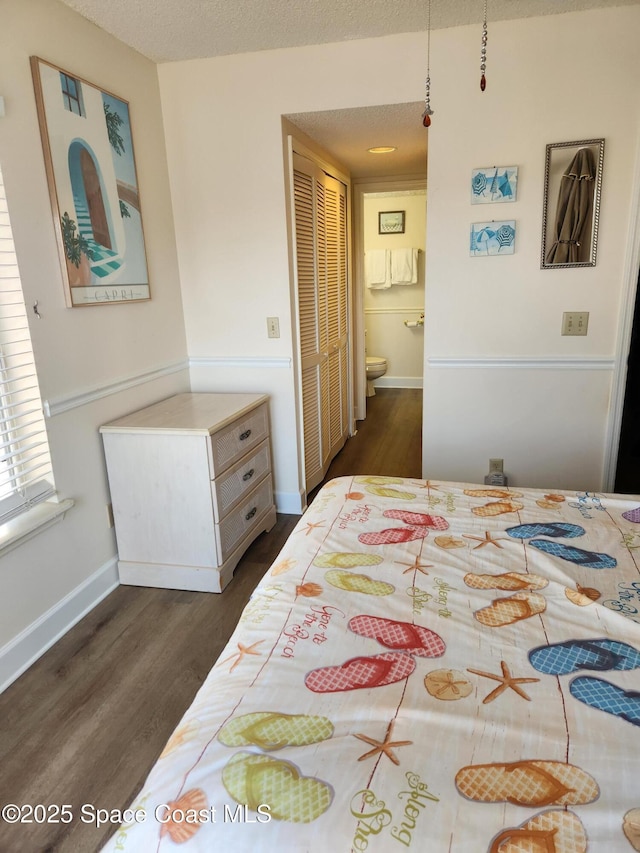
column 171, row 30
column 348, row 134
column 174, row 30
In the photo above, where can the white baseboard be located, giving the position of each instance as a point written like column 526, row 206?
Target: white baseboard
column 398, row 382
column 290, row 503
column 24, row 649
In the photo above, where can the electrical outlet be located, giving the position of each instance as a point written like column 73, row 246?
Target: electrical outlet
column 575, row 322
column 496, row 476
column 110, row 520
column 273, row 327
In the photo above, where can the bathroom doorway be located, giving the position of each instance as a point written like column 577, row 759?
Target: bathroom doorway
column 344, row 139
column 389, row 285
column 395, row 451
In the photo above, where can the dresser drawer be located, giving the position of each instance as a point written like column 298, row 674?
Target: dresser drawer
column 239, row 480
column 238, row 523
column 230, row 444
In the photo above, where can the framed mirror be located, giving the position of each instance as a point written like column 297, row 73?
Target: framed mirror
column 571, row 208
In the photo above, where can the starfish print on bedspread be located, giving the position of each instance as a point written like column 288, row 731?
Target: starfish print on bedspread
column 428, row 485
column 506, row 681
column 310, row 527
column 385, row 746
column 486, row 540
column 242, row 651
column 416, row 566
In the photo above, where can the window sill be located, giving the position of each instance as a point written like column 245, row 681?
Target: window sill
column 30, row 523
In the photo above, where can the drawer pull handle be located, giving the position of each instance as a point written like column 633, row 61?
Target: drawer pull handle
column 251, row 513
column 248, row 475
column 245, row 435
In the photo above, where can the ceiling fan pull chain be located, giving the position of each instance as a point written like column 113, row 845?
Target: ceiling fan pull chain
column 483, row 52
column 428, row 112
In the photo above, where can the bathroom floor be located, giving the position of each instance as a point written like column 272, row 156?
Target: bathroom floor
column 388, row 441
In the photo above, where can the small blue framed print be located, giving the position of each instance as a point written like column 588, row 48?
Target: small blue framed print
column 496, row 184
column 492, row 238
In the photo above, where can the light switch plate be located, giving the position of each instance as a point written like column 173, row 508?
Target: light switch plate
column 575, row 322
column 273, row 327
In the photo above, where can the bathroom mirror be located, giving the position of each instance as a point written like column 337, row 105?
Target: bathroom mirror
column 571, row 208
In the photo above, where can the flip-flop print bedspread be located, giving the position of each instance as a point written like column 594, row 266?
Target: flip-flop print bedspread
column 426, row 666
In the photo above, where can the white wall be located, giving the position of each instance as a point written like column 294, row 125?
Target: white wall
column 85, row 356
column 386, row 310
column 499, row 379
column 544, row 85
column 551, row 79
column 224, row 144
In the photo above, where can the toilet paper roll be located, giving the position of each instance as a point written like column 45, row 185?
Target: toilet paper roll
column 411, row 323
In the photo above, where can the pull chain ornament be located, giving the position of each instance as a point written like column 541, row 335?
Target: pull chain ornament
column 428, row 112
column 483, row 52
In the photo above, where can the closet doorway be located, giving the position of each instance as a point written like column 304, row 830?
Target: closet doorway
column 321, row 262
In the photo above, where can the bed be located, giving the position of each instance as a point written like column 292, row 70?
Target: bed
column 429, row 666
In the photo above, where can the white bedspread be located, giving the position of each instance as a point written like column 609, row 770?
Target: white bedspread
column 427, row 666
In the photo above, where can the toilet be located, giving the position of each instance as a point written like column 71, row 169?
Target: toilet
column 376, row 367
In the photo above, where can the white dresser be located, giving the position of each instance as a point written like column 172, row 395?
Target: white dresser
column 191, row 488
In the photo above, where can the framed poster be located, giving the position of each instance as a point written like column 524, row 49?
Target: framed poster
column 492, row 238
column 93, row 187
column 497, row 184
column 391, row 222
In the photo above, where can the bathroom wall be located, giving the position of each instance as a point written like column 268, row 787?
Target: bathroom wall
column 385, row 311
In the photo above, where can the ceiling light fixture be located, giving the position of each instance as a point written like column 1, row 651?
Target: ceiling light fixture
column 382, row 149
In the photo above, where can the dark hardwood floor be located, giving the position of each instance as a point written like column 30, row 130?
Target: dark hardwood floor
column 388, row 442
column 87, row 721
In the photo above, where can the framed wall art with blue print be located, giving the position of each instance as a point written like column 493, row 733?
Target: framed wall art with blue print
column 492, row 238
column 495, row 184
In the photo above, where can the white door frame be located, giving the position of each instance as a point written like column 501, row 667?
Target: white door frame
column 362, row 187
column 625, row 324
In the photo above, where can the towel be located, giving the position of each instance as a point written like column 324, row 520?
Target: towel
column 404, row 266
column 377, row 269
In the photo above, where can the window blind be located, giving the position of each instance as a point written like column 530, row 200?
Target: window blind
column 26, row 477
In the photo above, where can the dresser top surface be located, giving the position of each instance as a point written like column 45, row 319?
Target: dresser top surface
column 191, row 413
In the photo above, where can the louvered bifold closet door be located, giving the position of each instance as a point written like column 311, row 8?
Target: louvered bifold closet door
column 320, row 208
column 322, row 226
column 344, row 320
column 310, row 256
column 335, row 214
